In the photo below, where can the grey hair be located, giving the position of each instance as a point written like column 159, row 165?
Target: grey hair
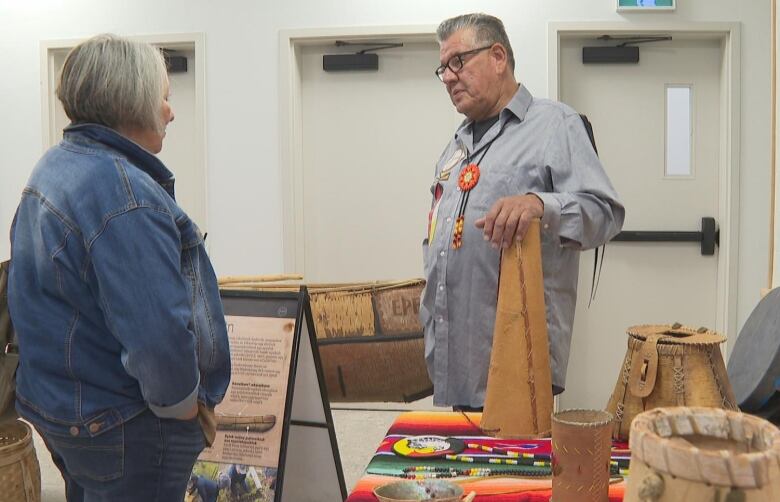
column 115, row 82
column 487, row 30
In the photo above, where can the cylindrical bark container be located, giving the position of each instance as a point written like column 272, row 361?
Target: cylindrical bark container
column 581, row 445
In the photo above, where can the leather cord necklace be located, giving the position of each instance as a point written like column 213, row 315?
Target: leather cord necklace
column 468, row 179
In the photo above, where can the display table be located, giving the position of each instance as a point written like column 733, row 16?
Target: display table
column 386, row 466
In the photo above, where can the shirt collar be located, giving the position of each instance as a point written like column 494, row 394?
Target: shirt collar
column 517, row 106
column 135, row 154
column 519, row 103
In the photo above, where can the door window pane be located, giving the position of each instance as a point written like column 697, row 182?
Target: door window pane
column 679, row 135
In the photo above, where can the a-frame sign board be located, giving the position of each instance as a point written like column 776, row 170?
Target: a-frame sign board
column 311, row 458
column 275, row 431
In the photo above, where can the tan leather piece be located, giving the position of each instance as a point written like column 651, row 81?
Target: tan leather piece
column 518, row 400
column 208, row 422
column 644, row 367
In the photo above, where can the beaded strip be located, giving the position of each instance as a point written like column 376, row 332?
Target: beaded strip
column 493, row 460
column 619, row 467
column 506, row 451
column 428, row 472
column 468, row 179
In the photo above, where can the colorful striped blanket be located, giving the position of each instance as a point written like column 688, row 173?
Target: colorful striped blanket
column 535, row 485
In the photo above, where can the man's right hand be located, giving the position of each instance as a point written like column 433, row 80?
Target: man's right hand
column 509, row 219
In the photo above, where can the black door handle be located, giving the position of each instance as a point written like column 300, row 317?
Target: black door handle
column 709, row 236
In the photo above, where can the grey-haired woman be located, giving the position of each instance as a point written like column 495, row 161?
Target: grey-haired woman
column 121, row 331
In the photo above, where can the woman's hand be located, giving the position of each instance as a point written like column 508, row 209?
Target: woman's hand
column 191, row 413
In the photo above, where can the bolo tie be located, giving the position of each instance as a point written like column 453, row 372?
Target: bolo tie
column 468, row 179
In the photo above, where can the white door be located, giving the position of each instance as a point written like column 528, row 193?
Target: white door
column 370, row 143
column 178, row 154
column 646, row 283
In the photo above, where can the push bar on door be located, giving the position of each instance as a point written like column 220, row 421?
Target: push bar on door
column 709, row 236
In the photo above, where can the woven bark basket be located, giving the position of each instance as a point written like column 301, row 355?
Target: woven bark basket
column 20, row 474
column 669, row 365
column 686, row 453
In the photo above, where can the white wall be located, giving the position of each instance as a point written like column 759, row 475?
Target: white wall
column 242, row 109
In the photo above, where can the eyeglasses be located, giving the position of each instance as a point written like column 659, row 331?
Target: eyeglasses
column 455, row 63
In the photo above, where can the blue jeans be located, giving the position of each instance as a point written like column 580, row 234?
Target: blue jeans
column 146, row 459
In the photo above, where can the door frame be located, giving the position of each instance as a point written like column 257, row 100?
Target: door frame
column 196, row 41
column 291, row 120
column 728, row 170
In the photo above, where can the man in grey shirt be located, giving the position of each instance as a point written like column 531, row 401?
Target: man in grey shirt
column 533, row 159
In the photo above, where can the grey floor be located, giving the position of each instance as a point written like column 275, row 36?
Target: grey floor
column 359, row 429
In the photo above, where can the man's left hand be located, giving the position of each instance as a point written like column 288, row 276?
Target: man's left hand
column 509, row 219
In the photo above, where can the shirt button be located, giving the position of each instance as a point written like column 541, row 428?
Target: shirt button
column 441, row 253
column 94, row 427
column 440, row 319
column 441, row 287
column 449, row 219
column 546, row 225
column 74, row 431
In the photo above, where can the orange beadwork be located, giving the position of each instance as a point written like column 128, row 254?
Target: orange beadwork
column 469, row 177
column 457, row 237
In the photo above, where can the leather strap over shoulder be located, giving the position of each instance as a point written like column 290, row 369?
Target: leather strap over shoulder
column 644, row 367
column 6, row 333
column 9, row 357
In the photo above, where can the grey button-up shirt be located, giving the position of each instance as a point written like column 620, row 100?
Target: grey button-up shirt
column 537, row 146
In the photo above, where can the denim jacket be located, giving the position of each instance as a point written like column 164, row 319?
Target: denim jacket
column 111, row 293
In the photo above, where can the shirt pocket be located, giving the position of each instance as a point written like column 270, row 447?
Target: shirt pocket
column 495, row 182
